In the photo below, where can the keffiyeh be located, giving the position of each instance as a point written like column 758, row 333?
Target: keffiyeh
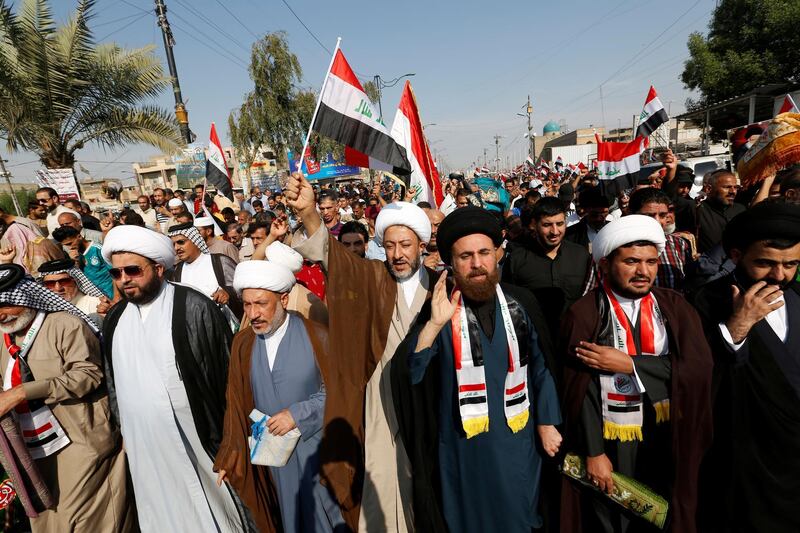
column 67, row 266
column 16, row 288
column 191, row 233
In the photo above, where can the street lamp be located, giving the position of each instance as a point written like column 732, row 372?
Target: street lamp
column 429, row 124
column 381, row 85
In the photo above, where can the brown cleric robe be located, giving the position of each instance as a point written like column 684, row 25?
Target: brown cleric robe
column 690, row 400
column 253, row 483
column 363, row 460
column 88, row 477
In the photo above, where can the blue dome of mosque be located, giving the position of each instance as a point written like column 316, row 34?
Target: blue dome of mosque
column 551, row 127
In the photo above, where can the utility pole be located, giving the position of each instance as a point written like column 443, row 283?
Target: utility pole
column 7, row 176
column 497, row 152
column 485, row 164
column 169, row 41
column 529, row 111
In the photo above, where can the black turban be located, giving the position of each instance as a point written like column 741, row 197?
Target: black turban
column 466, row 221
column 764, row 221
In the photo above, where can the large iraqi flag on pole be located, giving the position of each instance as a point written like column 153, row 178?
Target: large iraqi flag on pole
column 407, row 131
column 217, row 168
column 653, row 114
column 345, row 114
column 618, row 164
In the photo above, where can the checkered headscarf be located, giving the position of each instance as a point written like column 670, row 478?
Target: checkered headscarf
column 17, row 288
column 85, row 285
column 189, row 231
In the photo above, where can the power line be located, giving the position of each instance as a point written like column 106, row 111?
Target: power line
column 237, row 19
column 139, row 17
column 116, row 20
column 307, row 28
column 229, row 57
column 213, row 25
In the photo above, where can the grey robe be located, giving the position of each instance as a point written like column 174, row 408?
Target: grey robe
column 295, row 383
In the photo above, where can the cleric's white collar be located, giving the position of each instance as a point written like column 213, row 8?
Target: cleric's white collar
column 409, row 286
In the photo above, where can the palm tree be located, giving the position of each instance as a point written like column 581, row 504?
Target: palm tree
column 59, row 90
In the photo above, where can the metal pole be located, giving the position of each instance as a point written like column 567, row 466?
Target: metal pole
column 497, row 153
column 378, row 86
column 530, row 129
column 7, row 176
column 169, row 41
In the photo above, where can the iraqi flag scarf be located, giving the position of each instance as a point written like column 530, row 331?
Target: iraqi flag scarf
column 621, row 394
column 473, row 400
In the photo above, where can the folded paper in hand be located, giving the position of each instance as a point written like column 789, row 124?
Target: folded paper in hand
column 267, row 449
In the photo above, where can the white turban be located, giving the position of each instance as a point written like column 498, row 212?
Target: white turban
column 174, row 202
column 624, row 231
column 277, row 252
column 140, row 241
column 203, row 222
column 267, row 275
column 403, row 214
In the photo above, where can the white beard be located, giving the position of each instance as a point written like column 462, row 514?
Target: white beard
column 20, row 323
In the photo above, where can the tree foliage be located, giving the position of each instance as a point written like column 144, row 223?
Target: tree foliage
column 749, row 43
column 272, row 113
column 59, row 90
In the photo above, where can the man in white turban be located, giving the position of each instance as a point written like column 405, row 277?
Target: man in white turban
column 274, row 369
column 301, row 300
column 371, row 307
column 636, row 382
column 167, row 349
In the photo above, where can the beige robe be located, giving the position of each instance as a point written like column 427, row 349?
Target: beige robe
column 88, row 477
column 220, row 246
column 387, row 490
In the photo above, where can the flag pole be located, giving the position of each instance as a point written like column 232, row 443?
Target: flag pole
column 316, row 108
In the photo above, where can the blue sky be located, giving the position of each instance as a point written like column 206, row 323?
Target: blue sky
column 475, row 62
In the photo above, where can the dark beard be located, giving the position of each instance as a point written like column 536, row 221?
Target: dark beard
column 746, row 281
column 148, row 292
column 478, row 291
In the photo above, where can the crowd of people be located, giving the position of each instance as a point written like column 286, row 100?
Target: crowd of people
column 537, row 353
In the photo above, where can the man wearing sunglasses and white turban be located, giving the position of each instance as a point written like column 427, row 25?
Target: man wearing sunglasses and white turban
column 167, row 349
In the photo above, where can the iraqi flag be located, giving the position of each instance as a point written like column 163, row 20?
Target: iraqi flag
column 216, row 167
column 346, row 115
column 653, row 115
column 788, row 105
column 618, row 164
column 407, row 131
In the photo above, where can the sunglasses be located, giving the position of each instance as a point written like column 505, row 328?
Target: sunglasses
column 132, row 271
column 42, row 201
column 52, row 284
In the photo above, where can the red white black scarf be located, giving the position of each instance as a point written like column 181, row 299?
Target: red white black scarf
column 472, row 398
column 40, row 429
column 621, row 394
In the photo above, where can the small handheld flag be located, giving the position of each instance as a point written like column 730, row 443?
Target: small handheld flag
column 653, row 115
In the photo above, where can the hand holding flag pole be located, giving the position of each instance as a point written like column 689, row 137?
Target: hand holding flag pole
column 316, row 107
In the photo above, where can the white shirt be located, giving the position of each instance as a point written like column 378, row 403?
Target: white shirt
column 777, row 320
column 410, row 285
column 200, row 275
column 273, row 340
column 631, row 309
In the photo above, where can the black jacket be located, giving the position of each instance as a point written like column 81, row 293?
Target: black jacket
column 202, row 341
column 224, row 268
column 712, row 217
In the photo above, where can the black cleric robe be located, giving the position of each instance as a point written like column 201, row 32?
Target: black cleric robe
column 690, row 402
column 751, row 477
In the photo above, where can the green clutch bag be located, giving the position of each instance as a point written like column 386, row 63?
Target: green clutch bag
column 634, row 496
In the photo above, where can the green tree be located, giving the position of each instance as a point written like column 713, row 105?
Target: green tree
column 59, row 90
column 246, row 134
column 749, row 43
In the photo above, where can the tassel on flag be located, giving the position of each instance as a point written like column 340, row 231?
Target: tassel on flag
column 217, row 168
column 618, row 164
column 788, row 105
column 407, row 131
column 345, row 114
column 653, row 115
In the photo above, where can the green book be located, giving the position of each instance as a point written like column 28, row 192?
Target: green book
column 634, row 496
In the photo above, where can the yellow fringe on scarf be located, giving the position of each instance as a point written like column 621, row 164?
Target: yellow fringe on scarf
column 475, row 426
column 662, row 411
column 612, row 431
column 517, row 422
